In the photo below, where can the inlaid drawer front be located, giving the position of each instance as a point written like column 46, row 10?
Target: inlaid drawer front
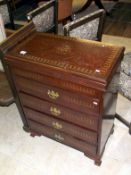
column 59, row 96
column 60, row 125
column 58, row 111
column 63, row 84
column 63, row 138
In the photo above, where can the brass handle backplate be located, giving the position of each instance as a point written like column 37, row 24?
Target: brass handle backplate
column 56, row 125
column 58, row 137
column 55, row 111
column 53, row 95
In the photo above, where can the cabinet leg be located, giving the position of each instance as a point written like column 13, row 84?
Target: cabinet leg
column 33, row 134
column 98, row 162
column 26, row 128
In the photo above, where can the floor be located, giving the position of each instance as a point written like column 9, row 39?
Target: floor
column 119, row 41
column 119, row 23
column 21, row 154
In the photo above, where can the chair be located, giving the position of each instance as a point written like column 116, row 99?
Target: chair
column 6, row 97
column 7, row 91
column 87, row 27
column 64, row 10
column 87, row 3
column 5, row 10
column 45, row 17
column 125, row 85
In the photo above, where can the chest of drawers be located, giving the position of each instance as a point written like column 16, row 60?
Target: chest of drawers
column 61, row 86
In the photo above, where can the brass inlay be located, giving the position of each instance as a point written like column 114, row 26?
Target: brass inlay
column 55, row 111
column 78, row 68
column 66, row 65
column 58, row 137
column 56, row 125
column 53, row 95
column 64, row 84
column 65, row 49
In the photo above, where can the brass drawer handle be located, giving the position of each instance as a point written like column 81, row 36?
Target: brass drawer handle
column 58, row 137
column 56, row 125
column 53, row 95
column 55, row 111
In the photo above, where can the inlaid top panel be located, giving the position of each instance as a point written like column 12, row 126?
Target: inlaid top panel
column 83, row 57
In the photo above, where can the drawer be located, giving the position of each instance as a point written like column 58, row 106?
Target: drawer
column 56, row 95
column 60, row 112
column 60, row 125
column 63, row 138
column 60, row 83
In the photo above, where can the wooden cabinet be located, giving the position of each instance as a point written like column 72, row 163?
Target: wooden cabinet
column 62, row 84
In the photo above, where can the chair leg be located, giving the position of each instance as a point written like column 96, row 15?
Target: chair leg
column 125, row 122
column 64, row 21
column 130, row 128
column 88, row 3
column 100, row 6
column 10, row 14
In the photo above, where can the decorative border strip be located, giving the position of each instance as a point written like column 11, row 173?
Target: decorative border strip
column 64, row 65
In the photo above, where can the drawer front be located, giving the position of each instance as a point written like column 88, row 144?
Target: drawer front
column 60, row 125
column 60, row 112
column 56, row 95
column 60, row 83
column 63, row 138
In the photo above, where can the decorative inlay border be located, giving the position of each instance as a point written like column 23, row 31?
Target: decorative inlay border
column 69, row 66
column 28, row 86
column 65, row 114
column 64, row 84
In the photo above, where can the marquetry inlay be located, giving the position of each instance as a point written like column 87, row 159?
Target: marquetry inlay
column 63, row 84
column 69, row 54
column 53, row 95
column 60, row 84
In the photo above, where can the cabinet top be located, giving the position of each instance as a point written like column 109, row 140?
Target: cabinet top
column 84, row 58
